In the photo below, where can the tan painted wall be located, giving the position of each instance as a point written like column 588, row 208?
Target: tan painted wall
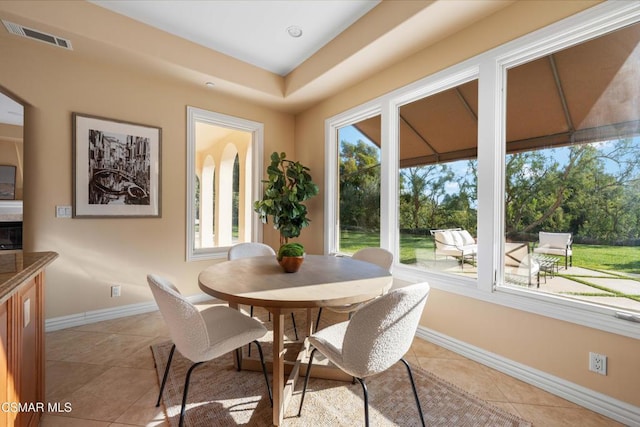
column 96, row 253
column 552, row 346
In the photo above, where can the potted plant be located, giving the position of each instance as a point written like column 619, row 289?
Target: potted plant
column 288, row 185
column 290, row 257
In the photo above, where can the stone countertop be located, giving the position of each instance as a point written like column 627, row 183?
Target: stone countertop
column 16, row 267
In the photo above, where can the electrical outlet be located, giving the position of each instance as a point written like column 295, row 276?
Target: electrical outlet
column 115, row 291
column 598, row 363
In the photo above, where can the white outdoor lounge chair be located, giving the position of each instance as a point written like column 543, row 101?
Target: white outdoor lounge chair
column 455, row 242
column 558, row 244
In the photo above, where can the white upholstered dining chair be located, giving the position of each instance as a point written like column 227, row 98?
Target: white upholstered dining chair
column 375, row 338
column 253, row 249
column 379, row 256
column 249, row 249
column 204, row 335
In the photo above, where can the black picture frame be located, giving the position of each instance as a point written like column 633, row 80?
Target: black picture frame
column 116, row 168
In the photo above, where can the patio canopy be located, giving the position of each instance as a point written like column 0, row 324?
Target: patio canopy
column 586, row 93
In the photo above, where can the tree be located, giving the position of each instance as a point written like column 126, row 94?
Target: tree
column 603, row 199
column 359, row 185
column 421, row 189
column 590, row 195
column 460, row 209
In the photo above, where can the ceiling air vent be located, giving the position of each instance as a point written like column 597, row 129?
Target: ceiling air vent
column 30, row 33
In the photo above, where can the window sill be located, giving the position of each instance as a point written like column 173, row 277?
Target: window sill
column 584, row 314
column 207, row 254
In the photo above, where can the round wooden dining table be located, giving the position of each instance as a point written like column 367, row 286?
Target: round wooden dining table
column 322, row 281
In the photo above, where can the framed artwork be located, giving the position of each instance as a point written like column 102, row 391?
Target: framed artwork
column 116, row 168
column 7, row 182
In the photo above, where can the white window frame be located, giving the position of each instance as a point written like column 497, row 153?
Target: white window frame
column 490, row 68
column 195, row 115
column 332, row 193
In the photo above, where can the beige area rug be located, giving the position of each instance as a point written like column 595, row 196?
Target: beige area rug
column 221, row 396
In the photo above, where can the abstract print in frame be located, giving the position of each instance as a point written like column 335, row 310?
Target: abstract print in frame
column 116, row 168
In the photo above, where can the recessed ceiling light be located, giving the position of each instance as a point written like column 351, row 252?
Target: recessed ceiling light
column 210, row 84
column 294, row 31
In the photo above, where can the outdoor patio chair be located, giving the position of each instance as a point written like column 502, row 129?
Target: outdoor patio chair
column 558, row 244
column 521, row 267
column 455, row 242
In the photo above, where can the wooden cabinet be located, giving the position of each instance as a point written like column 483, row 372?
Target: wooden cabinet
column 29, row 340
column 4, row 361
column 22, row 352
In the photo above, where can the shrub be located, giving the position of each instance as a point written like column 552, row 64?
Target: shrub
column 290, row 249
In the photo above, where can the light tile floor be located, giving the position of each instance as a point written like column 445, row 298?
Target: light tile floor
column 105, row 371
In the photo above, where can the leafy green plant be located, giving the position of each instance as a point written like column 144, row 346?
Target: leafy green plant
column 290, row 249
column 289, row 185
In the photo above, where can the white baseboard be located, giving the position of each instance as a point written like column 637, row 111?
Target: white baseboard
column 606, row 405
column 79, row 319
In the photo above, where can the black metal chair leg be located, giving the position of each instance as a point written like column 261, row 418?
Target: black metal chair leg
column 366, row 402
column 238, row 359
column 249, row 345
column 318, row 318
column 415, row 391
column 186, row 391
column 166, row 374
column 306, row 381
column 264, row 371
column 295, row 330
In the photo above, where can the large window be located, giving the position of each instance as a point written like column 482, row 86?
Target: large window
column 514, row 177
column 359, row 188
column 223, row 164
column 572, row 175
column 438, row 146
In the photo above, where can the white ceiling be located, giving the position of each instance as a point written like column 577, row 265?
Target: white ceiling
column 251, row 31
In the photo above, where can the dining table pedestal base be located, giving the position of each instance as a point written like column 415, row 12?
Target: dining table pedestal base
column 294, row 362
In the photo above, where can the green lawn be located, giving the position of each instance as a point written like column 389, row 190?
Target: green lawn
column 624, row 259
column 351, row 241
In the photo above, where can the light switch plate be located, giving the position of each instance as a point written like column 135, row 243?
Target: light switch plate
column 63, row 211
